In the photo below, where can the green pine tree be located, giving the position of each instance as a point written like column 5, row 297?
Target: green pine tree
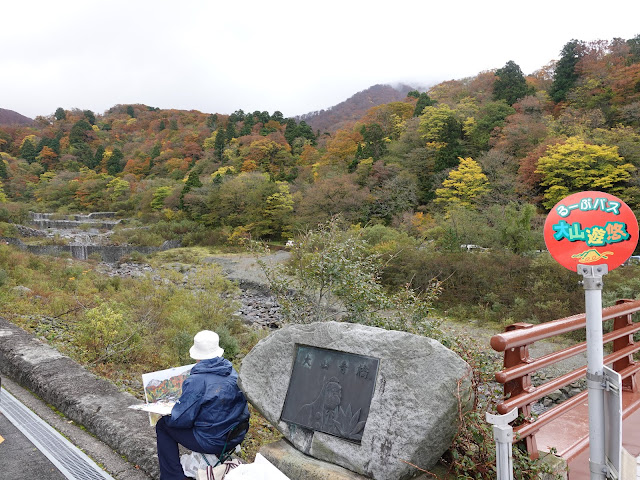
column 423, row 101
column 28, row 151
column 231, row 132
column 565, row 75
column 212, row 121
column 510, row 84
column 247, row 126
column 89, row 115
column 79, row 132
column 3, row 169
column 114, row 163
column 193, row 181
column 97, row 158
column 155, row 151
column 218, row 146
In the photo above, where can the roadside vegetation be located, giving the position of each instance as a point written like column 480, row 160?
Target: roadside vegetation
column 120, row 328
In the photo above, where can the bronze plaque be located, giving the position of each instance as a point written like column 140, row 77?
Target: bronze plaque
column 330, row 391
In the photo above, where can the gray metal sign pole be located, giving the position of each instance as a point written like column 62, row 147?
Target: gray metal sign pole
column 592, row 283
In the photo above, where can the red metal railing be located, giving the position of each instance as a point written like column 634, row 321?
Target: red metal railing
column 518, row 365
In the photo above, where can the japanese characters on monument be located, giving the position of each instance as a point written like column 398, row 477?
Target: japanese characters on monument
column 591, row 228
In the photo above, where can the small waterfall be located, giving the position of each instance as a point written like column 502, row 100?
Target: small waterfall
column 83, row 241
column 79, row 251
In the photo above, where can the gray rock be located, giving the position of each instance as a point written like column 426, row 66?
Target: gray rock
column 414, row 408
column 574, row 391
column 555, row 396
column 294, row 464
column 28, row 231
column 22, row 290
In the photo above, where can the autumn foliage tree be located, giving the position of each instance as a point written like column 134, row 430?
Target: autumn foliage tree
column 376, row 159
column 47, row 157
column 574, row 166
column 465, row 186
column 441, row 129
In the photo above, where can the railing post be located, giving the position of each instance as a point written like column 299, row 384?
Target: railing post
column 622, row 321
column 503, row 435
column 516, row 356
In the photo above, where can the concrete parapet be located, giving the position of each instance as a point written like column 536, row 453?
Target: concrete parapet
column 80, row 395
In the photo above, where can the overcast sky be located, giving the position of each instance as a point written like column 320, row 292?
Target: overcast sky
column 295, row 56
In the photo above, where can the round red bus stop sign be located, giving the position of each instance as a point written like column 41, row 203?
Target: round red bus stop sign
column 591, row 228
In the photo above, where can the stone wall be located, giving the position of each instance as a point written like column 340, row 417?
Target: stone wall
column 107, row 253
column 99, row 220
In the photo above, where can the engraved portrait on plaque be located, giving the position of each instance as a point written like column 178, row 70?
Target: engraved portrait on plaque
column 330, row 391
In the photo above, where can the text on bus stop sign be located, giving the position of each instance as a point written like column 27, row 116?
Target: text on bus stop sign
column 591, row 227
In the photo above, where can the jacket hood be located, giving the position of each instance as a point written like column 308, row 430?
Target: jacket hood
column 218, row 365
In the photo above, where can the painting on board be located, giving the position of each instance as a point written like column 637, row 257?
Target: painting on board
column 161, row 391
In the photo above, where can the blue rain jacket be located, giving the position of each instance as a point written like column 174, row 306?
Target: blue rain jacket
column 211, row 404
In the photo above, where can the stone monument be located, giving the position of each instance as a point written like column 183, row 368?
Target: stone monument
column 359, row 397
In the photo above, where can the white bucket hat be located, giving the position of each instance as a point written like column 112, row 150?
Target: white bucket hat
column 206, row 344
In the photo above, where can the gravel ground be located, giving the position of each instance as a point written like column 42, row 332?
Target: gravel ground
column 244, row 269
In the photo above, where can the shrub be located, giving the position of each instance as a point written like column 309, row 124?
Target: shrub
column 105, row 333
column 205, row 236
column 138, row 236
column 333, row 274
column 7, row 229
column 623, row 282
column 228, row 342
column 489, row 285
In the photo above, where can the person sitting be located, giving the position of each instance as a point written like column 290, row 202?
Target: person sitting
column 211, row 404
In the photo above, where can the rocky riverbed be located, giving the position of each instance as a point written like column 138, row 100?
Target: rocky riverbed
column 257, row 305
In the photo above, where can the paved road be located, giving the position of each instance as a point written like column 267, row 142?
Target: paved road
column 21, row 459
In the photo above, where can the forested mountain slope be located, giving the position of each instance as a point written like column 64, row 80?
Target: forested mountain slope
column 348, row 112
column 498, row 139
column 9, row 117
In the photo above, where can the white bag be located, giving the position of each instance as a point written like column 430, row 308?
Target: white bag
column 217, row 473
column 194, row 461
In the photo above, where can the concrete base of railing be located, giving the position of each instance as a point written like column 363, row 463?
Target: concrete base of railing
column 558, row 466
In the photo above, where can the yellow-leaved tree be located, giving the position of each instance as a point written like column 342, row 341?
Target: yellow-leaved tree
column 464, row 186
column 3, row 196
column 575, row 166
column 277, row 210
